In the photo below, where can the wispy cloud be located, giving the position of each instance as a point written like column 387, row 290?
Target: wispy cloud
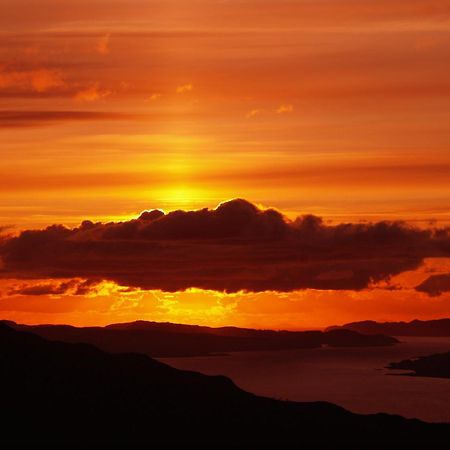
column 184, row 88
column 254, row 113
column 102, row 45
column 33, row 118
column 37, row 80
column 71, row 287
column 284, row 108
column 92, row 93
column 155, row 96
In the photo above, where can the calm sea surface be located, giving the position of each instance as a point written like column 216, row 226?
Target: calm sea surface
column 354, row 378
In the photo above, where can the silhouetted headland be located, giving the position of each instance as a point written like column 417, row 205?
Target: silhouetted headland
column 436, row 366
column 437, row 328
column 170, row 340
column 76, row 394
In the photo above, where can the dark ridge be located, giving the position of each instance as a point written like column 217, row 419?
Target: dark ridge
column 171, row 340
column 63, row 394
column 435, row 366
column 436, row 328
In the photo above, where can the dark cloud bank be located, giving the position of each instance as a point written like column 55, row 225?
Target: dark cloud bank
column 74, row 287
column 231, row 248
column 435, row 285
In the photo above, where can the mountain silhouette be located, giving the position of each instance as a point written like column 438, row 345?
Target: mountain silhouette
column 168, row 339
column 436, row 366
column 437, row 328
column 63, row 394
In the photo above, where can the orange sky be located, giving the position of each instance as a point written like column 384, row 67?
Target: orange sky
column 340, row 108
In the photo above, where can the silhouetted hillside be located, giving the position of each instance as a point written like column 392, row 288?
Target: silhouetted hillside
column 438, row 328
column 191, row 329
column 436, row 366
column 166, row 339
column 75, row 394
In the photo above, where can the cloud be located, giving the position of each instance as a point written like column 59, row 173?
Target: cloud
column 92, row 93
column 102, row 45
column 3, row 229
column 184, row 88
column 253, row 113
column 37, row 80
column 283, row 109
column 73, row 287
column 235, row 247
column 435, row 285
column 154, row 96
column 21, row 119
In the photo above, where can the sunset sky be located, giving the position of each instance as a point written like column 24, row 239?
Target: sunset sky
column 335, row 108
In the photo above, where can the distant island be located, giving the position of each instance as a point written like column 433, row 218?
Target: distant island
column 171, row 340
column 75, row 394
column 436, row 328
column 436, row 366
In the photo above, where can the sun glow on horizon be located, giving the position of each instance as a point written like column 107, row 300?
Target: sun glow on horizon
column 326, row 108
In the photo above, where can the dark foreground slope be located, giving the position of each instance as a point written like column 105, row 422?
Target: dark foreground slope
column 436, row 366
column 59, row 393
column 437, row 328
column 167, row 339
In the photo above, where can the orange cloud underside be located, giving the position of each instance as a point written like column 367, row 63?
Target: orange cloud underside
column 108, row 303
column 338, row 108
column 299, row 310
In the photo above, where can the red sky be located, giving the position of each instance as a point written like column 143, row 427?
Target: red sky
column 337, row 108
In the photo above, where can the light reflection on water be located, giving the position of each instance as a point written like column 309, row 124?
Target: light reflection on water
column 354, row 378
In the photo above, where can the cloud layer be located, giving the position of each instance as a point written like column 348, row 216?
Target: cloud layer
column 235, row 247
column 23, row 119
column 435, row 285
